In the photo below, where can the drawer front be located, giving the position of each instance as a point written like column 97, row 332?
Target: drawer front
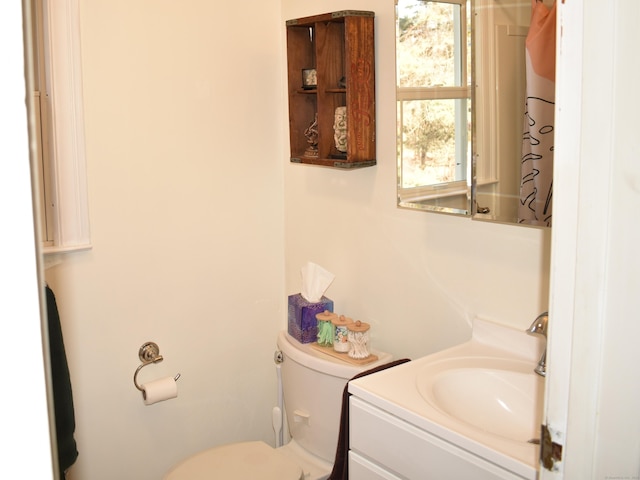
column 362, row 469
column 410, row 452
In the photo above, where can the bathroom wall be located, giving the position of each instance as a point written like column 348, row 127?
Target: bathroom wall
column 183, row 120
column 200, row 226
column 418, row 278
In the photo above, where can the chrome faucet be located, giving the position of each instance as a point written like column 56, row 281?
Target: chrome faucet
column 539, row 327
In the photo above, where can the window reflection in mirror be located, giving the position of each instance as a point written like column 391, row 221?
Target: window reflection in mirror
column 433, row 79
column 475, row 107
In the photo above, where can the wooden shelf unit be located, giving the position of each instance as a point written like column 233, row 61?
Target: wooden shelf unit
column 339, row 45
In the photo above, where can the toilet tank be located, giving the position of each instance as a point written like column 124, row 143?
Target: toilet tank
column 313, row 383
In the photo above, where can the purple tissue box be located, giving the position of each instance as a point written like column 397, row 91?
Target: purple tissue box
column 303, row 325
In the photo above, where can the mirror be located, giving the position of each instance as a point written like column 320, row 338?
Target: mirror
column 474, row 133
column 433, row 79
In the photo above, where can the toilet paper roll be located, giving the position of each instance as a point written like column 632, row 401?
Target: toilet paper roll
column 159, row 390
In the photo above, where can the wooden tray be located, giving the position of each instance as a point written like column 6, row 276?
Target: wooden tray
column 344, row 356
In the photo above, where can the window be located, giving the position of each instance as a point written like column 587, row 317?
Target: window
column 57, row 108
column 42, row 119
column 433, row 98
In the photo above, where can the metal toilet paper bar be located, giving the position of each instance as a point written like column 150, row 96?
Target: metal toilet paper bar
column 149, row 353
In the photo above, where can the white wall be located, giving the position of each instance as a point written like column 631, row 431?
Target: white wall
column 418, row 278
column 200, row 226
column 183, row 121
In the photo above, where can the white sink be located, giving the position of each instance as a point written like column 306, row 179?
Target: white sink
column 481, row 396
column 496, row 395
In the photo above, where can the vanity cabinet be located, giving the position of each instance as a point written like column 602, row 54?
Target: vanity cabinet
column 386, row 447
column 330, row 64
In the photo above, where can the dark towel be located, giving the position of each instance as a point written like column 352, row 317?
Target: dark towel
column 341, row 463
column 61, row 387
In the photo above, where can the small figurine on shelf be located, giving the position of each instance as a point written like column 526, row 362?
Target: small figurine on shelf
column 312, row 138
column 340, row 129
column 309, row 79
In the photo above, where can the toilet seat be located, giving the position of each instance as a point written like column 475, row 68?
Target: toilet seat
column 239, row 461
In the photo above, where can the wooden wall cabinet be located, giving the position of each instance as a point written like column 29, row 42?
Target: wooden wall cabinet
column 339, row 46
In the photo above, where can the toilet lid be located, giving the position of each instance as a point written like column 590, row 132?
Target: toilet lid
column 241, row 461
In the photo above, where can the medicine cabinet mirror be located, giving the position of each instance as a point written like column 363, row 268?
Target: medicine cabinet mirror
column 461, row 103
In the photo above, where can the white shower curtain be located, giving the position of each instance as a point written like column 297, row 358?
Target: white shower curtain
column 536, row 185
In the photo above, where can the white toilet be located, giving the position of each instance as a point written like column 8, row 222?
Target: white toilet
column 313, row 383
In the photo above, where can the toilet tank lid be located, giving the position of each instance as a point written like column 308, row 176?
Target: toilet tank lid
column 303, row 354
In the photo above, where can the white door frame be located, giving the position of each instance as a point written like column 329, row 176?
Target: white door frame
column 26, row 451
column 592, row 385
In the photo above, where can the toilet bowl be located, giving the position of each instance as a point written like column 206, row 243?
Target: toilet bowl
column 312, row 384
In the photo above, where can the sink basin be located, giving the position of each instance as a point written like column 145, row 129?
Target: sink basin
column 481, row 397
column 499, row 396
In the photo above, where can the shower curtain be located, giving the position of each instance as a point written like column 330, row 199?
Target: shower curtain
column 536, row 184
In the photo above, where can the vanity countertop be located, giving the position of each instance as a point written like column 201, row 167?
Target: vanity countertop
column 398, row 392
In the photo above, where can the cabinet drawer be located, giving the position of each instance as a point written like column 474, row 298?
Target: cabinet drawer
column 362, row 469
column 410, row 452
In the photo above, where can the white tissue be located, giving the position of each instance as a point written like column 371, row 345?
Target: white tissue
column 159, row 390
column 315, row 281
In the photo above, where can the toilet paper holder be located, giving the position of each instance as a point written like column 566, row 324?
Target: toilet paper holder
column 149, row 353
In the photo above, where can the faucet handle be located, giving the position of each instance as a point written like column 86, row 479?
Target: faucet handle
column 539, row 325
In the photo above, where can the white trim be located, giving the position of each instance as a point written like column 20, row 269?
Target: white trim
column 428, row 192
column 592, row 388
column 64, row 79
column 432, row 93
column 565, row 229
column 26, row 449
